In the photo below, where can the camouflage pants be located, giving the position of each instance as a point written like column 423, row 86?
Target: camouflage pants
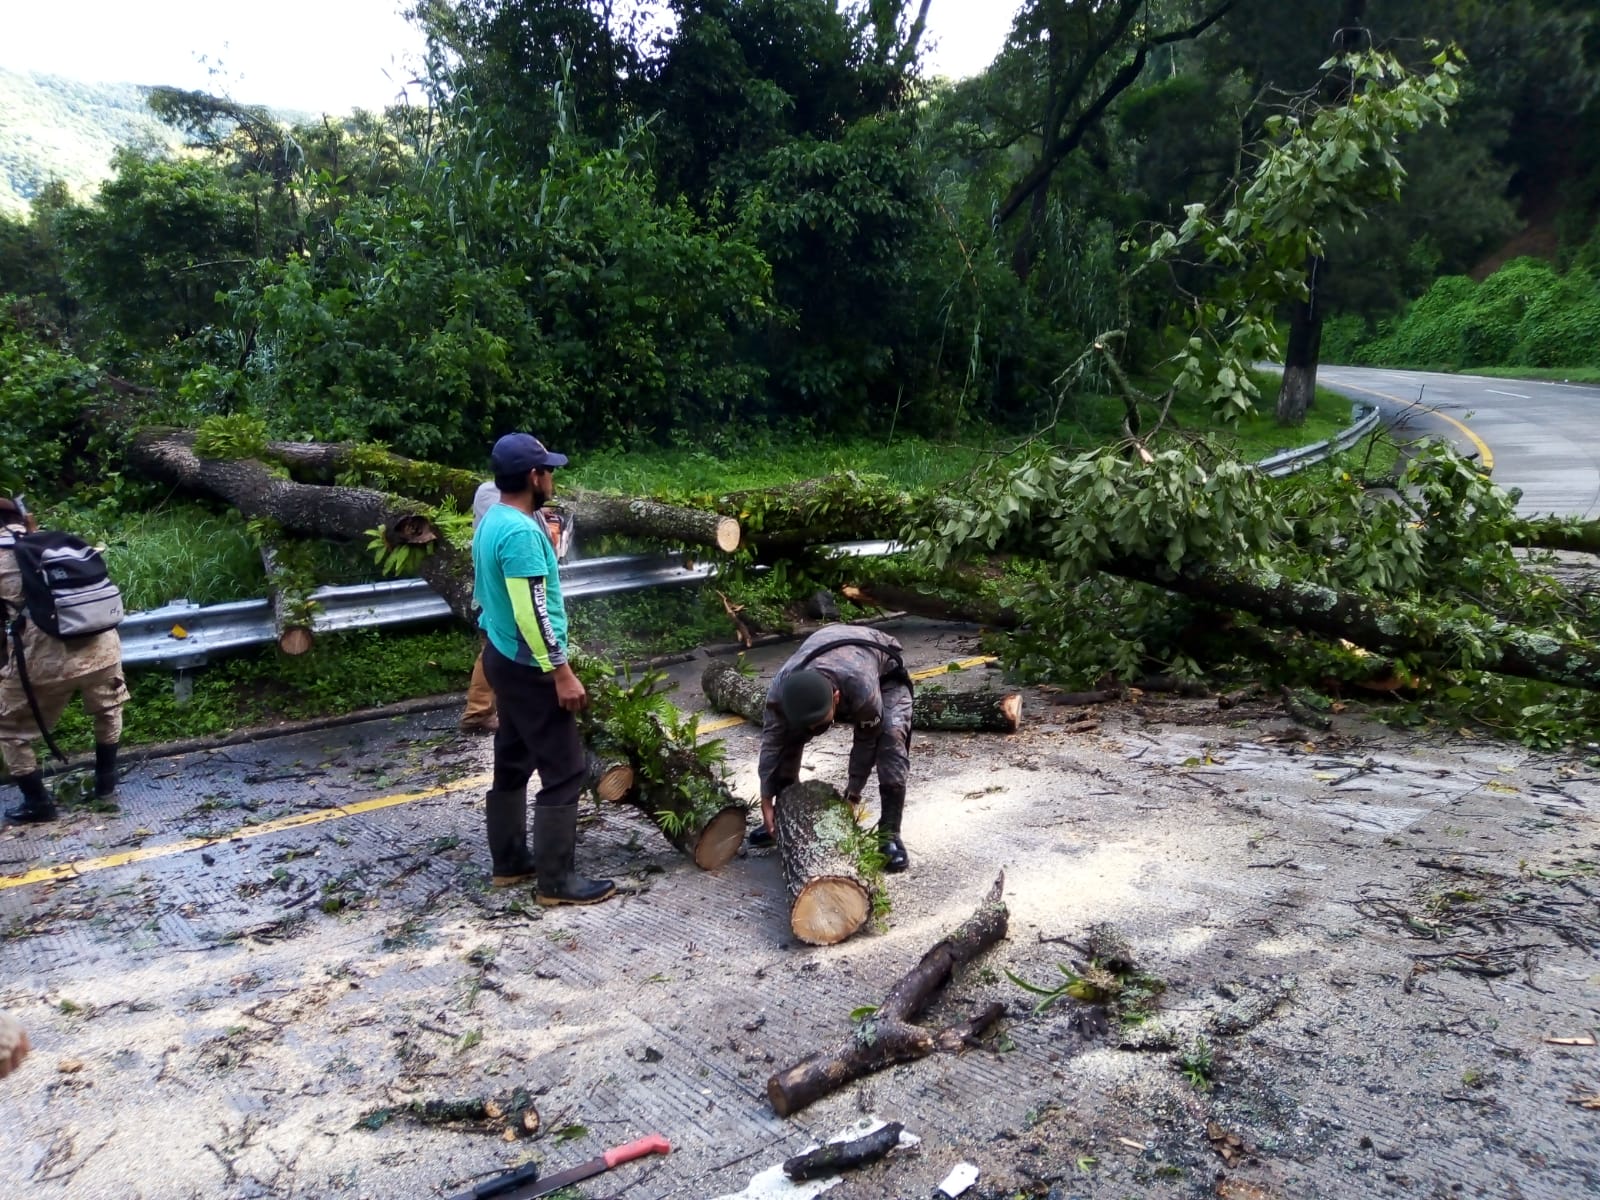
column 104, row 693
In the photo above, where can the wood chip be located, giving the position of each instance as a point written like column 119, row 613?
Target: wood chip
column 1239, row 1189
column 1570, row 1041
column 1589, row 1102
column 70, row 1066
column 1131, row 1144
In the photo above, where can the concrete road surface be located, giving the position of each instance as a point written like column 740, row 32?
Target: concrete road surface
column 1380, row 952
column 1542, row 438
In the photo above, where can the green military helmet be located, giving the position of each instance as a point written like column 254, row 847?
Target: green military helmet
column 806, row 698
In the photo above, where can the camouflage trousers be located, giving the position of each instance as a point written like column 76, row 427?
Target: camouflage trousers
column 104, row 693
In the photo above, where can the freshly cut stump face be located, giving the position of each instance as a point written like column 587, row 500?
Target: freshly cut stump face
column 721, row 839
column 829, row 909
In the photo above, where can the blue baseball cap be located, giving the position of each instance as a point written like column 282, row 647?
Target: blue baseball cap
column 517, row 453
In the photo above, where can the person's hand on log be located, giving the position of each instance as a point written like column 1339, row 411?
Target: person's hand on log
column 13, row 1044
column 570, row 692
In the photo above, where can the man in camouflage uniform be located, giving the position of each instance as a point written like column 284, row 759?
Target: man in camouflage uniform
column 57, row 670
column 857, row 676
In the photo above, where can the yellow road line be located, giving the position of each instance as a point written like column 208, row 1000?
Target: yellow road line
column 299, row 820
column 1484, row 453
column 70, row 870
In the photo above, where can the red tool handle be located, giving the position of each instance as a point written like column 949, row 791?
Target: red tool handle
column 653, row 1144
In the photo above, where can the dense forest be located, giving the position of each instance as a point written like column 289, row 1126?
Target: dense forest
column 756, row 222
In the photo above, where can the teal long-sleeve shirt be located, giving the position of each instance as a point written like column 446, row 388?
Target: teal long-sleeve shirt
column 517, row 587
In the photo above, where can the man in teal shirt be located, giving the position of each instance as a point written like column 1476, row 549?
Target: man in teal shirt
column 517, row 586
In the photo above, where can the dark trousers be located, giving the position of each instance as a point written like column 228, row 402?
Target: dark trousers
column 535, row 734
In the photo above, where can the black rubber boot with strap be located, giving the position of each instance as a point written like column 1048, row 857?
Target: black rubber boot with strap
column 555, row 849
column 505, row 812
column 36, row 803
column 891, row 807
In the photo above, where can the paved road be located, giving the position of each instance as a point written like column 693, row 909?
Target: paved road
column 1543, row 438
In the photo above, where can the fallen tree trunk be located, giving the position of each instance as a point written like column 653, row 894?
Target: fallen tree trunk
column 595, row 512
column 920, row 603
column 290, row 617
column 705, row 822
column 888, row 1036
column 835, row 508
column 1490, row 645
column 1554, row 533
column 829, row 896
column 314, row 510
column 931, row 709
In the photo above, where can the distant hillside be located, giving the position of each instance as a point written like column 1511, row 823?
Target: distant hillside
column 53, row 128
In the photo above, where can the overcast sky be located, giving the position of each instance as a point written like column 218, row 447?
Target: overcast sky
column 317, row 54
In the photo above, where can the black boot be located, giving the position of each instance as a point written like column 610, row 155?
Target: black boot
column 891, row 806
column 105, row 769
column 505, row 814
column 36, row 802
column 555, row 847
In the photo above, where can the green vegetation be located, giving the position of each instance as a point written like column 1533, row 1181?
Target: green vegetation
column 1526, row 315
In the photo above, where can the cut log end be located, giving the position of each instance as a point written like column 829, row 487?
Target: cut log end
column 727, row 535
column 1011, row 707
column 615, row 782
column 295, row 640
column 829, row 909
column 720, row 839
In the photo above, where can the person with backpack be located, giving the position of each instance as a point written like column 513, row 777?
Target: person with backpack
column 856, row 676
column 60, row 612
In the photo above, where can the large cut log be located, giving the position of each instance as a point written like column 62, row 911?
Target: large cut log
column 1488, row 645
column 888, row 1036
column 595, row 512
column 835, row 508
column 829, row 896
column 684, row 799
column 986, row 711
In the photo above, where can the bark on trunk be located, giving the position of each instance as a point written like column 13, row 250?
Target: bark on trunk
column 1372, row 625
column 595, row 512
column 1299, row 387
column 888, row 1036
column 293, row 632
column 728, row 691
column 835, row 508
column 979, row 610
column 314, row 510
column 1554, row 534
column 828, row 898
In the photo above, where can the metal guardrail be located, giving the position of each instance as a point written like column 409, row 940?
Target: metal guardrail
column 1364, row 419
column 182, row 635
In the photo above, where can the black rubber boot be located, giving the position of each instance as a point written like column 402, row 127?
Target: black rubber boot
column 555, row 848
column 105, row 769
column 36, row 803
column 505, row 815
column 891, row 807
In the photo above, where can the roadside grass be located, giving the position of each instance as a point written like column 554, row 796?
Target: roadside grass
column 1551, row 374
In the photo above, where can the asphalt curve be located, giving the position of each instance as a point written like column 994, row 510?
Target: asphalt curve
column 1541, row 438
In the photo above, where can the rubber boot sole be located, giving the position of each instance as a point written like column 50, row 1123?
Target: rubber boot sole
column 505, row 881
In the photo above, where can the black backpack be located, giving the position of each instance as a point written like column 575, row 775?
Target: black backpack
column 66, row 590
